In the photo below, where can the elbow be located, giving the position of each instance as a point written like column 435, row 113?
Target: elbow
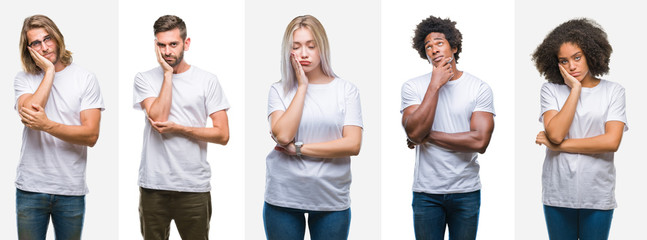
column 354, row 151
column 555, row 139
column 416, row 138
column 92, row 140
column 481, row 147
column 224, row 139
column 282, row 139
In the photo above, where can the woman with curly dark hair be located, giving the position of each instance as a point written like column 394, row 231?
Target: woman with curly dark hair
column 584, row 119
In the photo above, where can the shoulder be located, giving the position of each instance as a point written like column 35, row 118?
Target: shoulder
column 153, row 73
column 78, row 71
column 346, row 85
column 413, row 83
column 202, row 74
column 475, row 81
column 611, row 85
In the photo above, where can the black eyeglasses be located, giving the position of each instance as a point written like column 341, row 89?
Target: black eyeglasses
column 37, row 45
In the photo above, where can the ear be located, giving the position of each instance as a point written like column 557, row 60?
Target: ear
column 454, row 50
column 187, row 42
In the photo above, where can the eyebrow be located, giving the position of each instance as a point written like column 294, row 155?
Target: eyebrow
column 570, row 56
column 164, row 44
column 46, row 36
column 434, row 39
column 309, row 41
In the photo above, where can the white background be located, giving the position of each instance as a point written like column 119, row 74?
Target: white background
column 216, row 32
column 534, row 20
column 352, row 28
column 94, row 47
column 488, row 54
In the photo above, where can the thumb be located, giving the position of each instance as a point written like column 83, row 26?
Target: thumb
column 37, row 107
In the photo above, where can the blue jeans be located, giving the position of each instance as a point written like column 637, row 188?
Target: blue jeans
column 459, row 211
column 570, row 223
column 289, row 223
column 33, row 211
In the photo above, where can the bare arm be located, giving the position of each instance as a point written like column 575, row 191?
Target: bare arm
column 284, row 124
column 219, row 133
column 42, row 92
column 158, row 108
column 348, row 145
column 607, row 142
column 476, row 140
column 418, row 119
column 557, row 123
column 86, row 134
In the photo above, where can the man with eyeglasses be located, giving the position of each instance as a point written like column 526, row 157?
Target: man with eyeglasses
column 177, row 99
column 60, row 105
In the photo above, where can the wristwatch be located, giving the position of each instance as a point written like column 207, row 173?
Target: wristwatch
column 298, row 146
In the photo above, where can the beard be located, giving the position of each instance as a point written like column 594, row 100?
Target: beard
column 177, row 60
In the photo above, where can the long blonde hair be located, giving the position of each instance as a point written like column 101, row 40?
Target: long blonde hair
column 41, row 21
column 288, row 78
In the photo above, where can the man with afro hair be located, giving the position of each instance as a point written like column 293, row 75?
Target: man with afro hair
column 448, row 116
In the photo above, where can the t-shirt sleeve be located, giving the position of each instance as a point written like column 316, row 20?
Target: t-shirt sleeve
column 215, row 97
column 616, row 110
column 21, row 86
column 92, row 97
column 484, row 99
column 142, row 89
column 353, row 107
column 274, row 101
column 548, row 100
column 409, row 96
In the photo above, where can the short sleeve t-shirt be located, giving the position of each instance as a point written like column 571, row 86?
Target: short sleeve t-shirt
column 575, row 180
column 308, row 183
column 47, row 163
column 172, row 161
column 439, row 170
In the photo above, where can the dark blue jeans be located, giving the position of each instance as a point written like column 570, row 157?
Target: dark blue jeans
column 33, row 211
column 570, row 223
column 289, row 223
column 458, row 211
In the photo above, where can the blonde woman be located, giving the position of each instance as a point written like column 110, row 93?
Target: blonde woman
column 316, row 121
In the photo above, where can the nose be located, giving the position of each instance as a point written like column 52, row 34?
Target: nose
column 571, row 66
column 303, row 53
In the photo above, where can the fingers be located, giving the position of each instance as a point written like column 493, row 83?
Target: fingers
column 295, row 64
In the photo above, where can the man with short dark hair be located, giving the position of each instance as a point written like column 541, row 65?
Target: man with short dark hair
column 174, row 175
column 60, row 105
column 448, row 116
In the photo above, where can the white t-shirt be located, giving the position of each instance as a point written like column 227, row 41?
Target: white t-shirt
column 439, row 170
column 172, row 161
column 308, row 183
column 47, row 163
column 574, row 180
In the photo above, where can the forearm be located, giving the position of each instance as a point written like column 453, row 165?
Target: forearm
column 285, row 127
column 417, row 123
column 160, row 109
column 598, row 144
column 75, row 134
column 557, row 127
column 41, row 94
column 471, row 141
column 218, row 135
column 342, row 147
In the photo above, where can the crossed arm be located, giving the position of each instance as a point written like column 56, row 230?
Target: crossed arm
column 86, row 134
column 348, row 145
column 607, row 142
column 476, row 139
column 218, row 133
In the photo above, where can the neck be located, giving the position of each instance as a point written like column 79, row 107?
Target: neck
column 590, row 81
column 182, row 67
column 318, row 77
column 457, row 73
column 58, row 66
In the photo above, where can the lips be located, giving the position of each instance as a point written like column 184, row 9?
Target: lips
column 437, row 59
column 305, row 63
column 577, row 74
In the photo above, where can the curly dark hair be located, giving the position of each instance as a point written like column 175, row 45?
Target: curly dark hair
column 586, row 34
column 435, row 24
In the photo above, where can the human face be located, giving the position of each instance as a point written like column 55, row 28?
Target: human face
column 171, row 46
column 41, row 41
column 438, row 49
column 572, row 58
column 307, row 52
